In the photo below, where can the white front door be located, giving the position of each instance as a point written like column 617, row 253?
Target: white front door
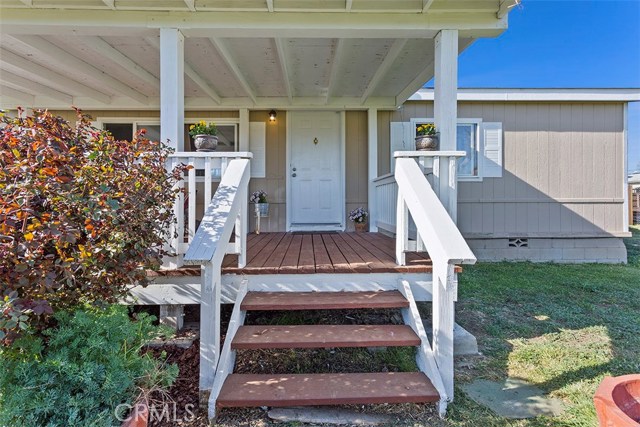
column 315, row 171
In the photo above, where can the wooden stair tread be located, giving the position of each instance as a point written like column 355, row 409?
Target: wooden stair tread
column 251, row 390
column 322, row 300
column 323, row 336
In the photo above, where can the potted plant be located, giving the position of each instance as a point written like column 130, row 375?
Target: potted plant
column 427, row 138
column 204, row 136
column 259, row 198
column 359, row 217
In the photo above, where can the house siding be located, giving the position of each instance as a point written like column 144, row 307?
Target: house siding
column 562, row 176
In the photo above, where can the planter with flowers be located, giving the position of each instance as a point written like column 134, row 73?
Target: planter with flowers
column 359, row 217
column 204, row 136
column 259, row 198
column 427, row 139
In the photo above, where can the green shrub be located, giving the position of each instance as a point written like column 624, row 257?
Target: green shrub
column 82, row 216
column 83, row 369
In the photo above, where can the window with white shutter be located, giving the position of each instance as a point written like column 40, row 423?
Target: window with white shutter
column 482, row 141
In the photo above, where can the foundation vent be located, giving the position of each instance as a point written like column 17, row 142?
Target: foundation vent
column 519, row 243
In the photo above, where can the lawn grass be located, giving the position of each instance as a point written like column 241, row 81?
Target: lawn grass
column 561, row 327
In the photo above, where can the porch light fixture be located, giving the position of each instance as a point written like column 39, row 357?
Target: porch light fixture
column 272, row 115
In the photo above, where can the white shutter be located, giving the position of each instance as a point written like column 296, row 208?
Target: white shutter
column 258, row 146
column 492, row 155
column 401, row 139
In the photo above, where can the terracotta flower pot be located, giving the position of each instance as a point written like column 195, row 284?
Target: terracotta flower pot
column 139, row 416
column 361, row 227
column 205, row 142
column 617, row 401
column 427, row 142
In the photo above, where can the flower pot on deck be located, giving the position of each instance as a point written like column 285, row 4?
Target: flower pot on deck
column 361, row 227
column 617, row 401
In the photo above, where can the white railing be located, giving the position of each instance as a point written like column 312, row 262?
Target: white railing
column 207, row 169
column 227, row 210
column 386, row 196
column 445, row 245
column 440, row 169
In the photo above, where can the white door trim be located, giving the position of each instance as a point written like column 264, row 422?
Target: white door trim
column 343, row 183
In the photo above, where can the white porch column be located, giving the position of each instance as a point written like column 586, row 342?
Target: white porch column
column 446, row 87
column 446, row 108
column 372, row 148
column 172, row 87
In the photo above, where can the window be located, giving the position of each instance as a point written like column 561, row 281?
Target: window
column 227, row 136
column 125, row 129
column 468, row 140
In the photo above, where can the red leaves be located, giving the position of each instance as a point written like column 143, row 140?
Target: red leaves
column 81, row 215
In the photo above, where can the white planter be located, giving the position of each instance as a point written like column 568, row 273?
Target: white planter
column 262, row 209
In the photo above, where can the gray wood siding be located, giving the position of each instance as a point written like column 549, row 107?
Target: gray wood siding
column 563, row 169
column 275, row 181
column 356, row 155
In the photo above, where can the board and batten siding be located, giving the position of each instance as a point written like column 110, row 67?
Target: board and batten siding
column 563, row 169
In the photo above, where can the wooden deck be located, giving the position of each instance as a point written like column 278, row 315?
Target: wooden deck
column 309, row 253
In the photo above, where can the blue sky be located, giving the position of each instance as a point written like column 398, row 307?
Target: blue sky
column 564, row 44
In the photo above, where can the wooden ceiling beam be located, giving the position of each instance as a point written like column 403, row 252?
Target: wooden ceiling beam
column 24, row 67
column 284, row 66
column 426, row 4
column 191, row 73
column 250, row 25
column 105, row 49
column 34, row 88
column 394, row 51
column 228, row 59
column 9, row 92
column 335, row 68
column 64, row 58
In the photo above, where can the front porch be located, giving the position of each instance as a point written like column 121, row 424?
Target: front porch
column 310, row 253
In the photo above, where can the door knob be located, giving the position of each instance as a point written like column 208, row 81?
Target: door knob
column 293, row 175
column 294, row 169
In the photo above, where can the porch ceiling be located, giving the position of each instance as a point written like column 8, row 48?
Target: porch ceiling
column 237, row 53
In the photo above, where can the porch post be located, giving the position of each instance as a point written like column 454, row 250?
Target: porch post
column 446, row 111
column 172, row 87
column 372, row 123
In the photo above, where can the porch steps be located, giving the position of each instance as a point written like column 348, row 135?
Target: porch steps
column 323, row 336
column 240, row 390
column 322, row 300
column 283, row 389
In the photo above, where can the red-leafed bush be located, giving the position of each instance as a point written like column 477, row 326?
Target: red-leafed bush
column 82, row 216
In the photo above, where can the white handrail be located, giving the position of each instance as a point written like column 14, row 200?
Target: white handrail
column 441, row 238
column 228, row 209
column 207, row 169
column 433, row 222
